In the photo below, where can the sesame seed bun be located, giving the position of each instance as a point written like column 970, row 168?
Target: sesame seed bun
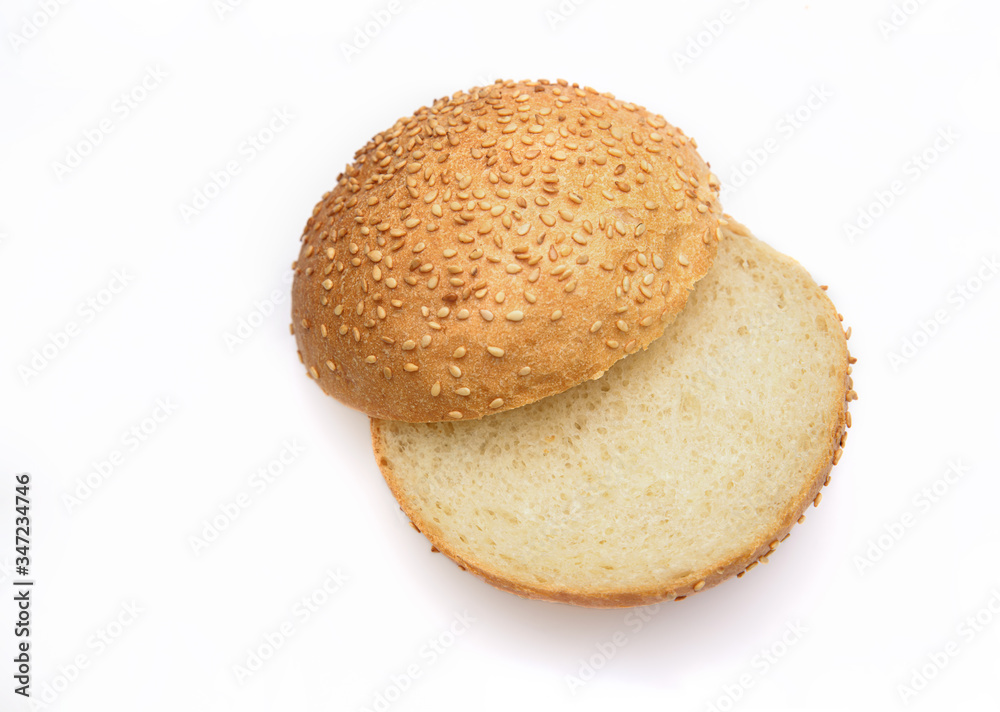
column 501, row 246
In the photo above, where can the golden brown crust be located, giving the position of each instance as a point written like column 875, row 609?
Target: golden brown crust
column 498, row 247
column 838, row 422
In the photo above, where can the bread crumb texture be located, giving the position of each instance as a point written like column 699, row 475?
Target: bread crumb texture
column 682, row 466
column 499, row 246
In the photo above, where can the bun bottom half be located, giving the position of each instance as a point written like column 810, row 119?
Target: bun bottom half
column 682, row 466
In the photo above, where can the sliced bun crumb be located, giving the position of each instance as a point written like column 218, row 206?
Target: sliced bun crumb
column 682, row 466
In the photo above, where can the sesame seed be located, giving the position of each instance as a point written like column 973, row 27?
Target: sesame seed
column 524, row 371
column 463, row 391
column 612, row 344
column 387, row 372
column 371, row 359
column 498, row 403
column 313, row 372
column 459, row 352
column 455, row 371
column 436, row 389
column 411, row 367
column 683, row 260
column 455, row 414
column 331, row 365
column 556, row 315
column 495, row 351
column 443, row 312
column 595, row 326
column 486, row 314
column 622, row 326
column 698, row 586
column 515, row 315
column 375, row 256
column 513, row 269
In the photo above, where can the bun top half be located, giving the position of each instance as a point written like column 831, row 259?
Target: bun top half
column 500, row 246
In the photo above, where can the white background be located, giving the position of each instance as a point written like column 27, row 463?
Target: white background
column 881, row 95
